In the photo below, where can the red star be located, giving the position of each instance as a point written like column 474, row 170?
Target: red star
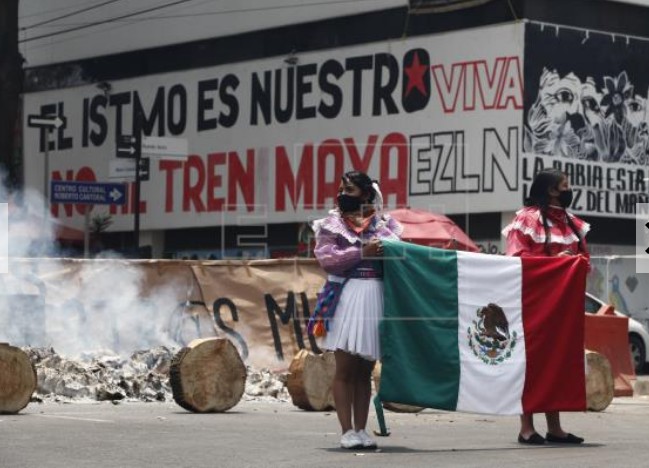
column 415, row 74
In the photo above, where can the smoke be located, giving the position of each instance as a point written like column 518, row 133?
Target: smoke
column 106, row 309
column 104, row 305
column 30, row 228
column 77, row 306
column 98, row 306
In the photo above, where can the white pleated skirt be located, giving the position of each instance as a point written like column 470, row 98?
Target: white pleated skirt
column 355, row 325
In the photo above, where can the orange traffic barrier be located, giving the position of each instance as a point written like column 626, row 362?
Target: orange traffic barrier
column 608, row 334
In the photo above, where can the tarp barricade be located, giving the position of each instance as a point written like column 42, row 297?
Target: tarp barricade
column 261, row 305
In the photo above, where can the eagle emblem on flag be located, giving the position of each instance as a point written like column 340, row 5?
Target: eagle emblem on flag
column 489, row 336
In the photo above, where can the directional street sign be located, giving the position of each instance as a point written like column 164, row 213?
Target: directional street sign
column 128, row 146
column 121, row 169
column 164, row 146
column 45, row 121
column 87, row 193
column 124, row 169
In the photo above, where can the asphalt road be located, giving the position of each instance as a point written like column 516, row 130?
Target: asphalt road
column 278, row 434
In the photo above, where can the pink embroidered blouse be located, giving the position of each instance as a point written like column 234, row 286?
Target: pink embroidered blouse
column 338, row 247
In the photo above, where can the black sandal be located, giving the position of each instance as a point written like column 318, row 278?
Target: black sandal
column 534, row 439
column 568, row 439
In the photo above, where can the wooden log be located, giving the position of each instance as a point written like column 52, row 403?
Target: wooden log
column 396, row 407
column 309, row 380
column 17, row 379
column 208, row 376
column 599, row 381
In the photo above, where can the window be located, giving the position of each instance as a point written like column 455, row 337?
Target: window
column 592, row 306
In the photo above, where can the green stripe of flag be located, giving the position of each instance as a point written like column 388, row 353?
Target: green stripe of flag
column 420, row 327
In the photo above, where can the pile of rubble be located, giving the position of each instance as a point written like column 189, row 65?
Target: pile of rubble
column 143, row 376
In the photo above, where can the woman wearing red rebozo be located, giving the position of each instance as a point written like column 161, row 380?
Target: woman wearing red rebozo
column 544, row 228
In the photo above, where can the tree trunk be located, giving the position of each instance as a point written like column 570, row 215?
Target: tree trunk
column 17, row 379
column 599, row 381
column 309, row 380
column 208, row 376
column 11, row 79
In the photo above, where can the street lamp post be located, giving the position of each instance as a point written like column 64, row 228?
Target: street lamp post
column 46, row 176
column 46, row 123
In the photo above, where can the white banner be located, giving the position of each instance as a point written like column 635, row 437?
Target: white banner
column 610, row 189
column 436, row 119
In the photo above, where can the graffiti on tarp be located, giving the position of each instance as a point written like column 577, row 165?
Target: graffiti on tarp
column 185, row 322
column 224, row 301
column 124, row 306
column 277, row 316
column 290, row 312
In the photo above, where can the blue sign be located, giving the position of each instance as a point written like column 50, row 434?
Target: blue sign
column 87, row 193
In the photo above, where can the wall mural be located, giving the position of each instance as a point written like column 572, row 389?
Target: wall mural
column 576, row 118
column 585, row 113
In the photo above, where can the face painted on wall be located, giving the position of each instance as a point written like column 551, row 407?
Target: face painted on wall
column 636, row 111
column 555, row 117
column 559, row 96
column 590, row 101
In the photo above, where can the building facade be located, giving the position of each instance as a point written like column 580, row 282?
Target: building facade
column 452, row 110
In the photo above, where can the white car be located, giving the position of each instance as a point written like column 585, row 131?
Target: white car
column 638, row 334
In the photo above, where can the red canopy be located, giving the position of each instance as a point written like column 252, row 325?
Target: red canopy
column 432, row 229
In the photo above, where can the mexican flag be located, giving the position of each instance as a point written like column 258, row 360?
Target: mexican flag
column 482, row 333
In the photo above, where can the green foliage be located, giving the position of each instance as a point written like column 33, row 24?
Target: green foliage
column 100, row 223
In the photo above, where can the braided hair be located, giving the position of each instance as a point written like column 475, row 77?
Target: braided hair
column 539, row 197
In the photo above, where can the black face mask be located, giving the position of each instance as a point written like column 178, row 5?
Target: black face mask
column 348, row 202
column 565, row 198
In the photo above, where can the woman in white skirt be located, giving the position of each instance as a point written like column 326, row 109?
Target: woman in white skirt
column 348, row 245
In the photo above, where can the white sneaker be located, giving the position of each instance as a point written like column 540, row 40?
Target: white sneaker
column 351, row 440
column 368, row 442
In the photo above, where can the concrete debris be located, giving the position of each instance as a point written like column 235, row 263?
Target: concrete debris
column 264, row 383
column 143, row 376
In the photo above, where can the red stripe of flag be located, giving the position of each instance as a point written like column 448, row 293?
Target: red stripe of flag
column 553, row 324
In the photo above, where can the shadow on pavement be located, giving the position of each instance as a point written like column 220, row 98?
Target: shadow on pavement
column 399, row 449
